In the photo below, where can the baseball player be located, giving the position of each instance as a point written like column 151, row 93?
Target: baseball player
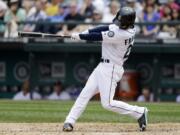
column 117, row 41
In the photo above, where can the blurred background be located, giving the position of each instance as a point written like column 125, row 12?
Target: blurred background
column 57, row 69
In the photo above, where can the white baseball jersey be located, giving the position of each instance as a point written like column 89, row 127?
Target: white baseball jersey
column 116, row 46
column 117, row 43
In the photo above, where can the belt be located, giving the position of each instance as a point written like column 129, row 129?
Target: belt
column 105, row 60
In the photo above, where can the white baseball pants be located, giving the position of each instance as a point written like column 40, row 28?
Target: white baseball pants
column 104, row 80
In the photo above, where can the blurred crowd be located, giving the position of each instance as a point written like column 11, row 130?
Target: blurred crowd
column 57, row 91
column 13, row 12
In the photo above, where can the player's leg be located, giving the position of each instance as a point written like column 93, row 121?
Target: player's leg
column 88, row 91
column 107, row 82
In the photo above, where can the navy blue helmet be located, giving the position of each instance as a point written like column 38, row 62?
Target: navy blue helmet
column 125, row 18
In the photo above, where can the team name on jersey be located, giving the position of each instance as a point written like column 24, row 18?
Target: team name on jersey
column 129, row 40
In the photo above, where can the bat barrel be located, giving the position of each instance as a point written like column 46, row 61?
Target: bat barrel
column 29, row 34
column 42, row 35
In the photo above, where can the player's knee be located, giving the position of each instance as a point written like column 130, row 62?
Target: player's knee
column 106, row 106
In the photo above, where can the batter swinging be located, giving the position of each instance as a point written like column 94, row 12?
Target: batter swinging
column 117, row 41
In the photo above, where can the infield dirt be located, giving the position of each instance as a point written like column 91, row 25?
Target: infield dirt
column 88, row 129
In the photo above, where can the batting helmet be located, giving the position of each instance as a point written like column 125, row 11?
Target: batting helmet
column 125, row 18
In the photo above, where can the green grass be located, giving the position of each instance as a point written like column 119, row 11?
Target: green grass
column 56, row 111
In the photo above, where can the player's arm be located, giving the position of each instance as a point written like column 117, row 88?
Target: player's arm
column 94, row 34
column 91, row 37
column 99, row 29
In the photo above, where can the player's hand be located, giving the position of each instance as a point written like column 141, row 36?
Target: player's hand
column 75, row 36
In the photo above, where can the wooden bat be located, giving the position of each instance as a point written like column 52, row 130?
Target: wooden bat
column 42, row 35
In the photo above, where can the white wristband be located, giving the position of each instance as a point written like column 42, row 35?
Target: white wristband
column 85, row 32
column 75, row 36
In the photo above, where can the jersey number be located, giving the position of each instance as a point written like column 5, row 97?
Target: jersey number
column 127, row 52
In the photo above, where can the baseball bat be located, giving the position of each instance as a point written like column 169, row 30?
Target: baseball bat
column 38, row 34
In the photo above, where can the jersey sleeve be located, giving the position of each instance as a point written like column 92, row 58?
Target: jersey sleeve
column 99, row 29
column 110, row 35
column 91, row 37
column 94, row 34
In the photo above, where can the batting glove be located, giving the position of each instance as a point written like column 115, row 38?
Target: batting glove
column 75, row 36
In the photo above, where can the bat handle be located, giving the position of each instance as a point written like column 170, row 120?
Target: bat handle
column 66, row 36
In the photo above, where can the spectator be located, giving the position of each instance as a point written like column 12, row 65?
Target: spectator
column 39, row 14
column 176, row 17
column 58, row 94
column 72, row 16
column 99, row 4
column 12, row 16
column 60, row 16
column 165, row 13
column 178, row 95
column 15, row 13
column 114, row 7
column 57, row 18
column 137, row 6
column 146, row 96
column 29, row 7
column 96, row 17
column 53, row 8
column 87, row 9
column 139, row 11
column 74, row 91
column 150, row 15
column 151, row 2
column 173, row 5
column 178, row 99
column 24, row 94
column 168, row 14
column 45, row 5
column 3, row 9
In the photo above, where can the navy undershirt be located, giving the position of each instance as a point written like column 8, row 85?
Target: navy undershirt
column 94, row 34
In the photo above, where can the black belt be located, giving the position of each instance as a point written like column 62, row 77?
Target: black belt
column 105, row 60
